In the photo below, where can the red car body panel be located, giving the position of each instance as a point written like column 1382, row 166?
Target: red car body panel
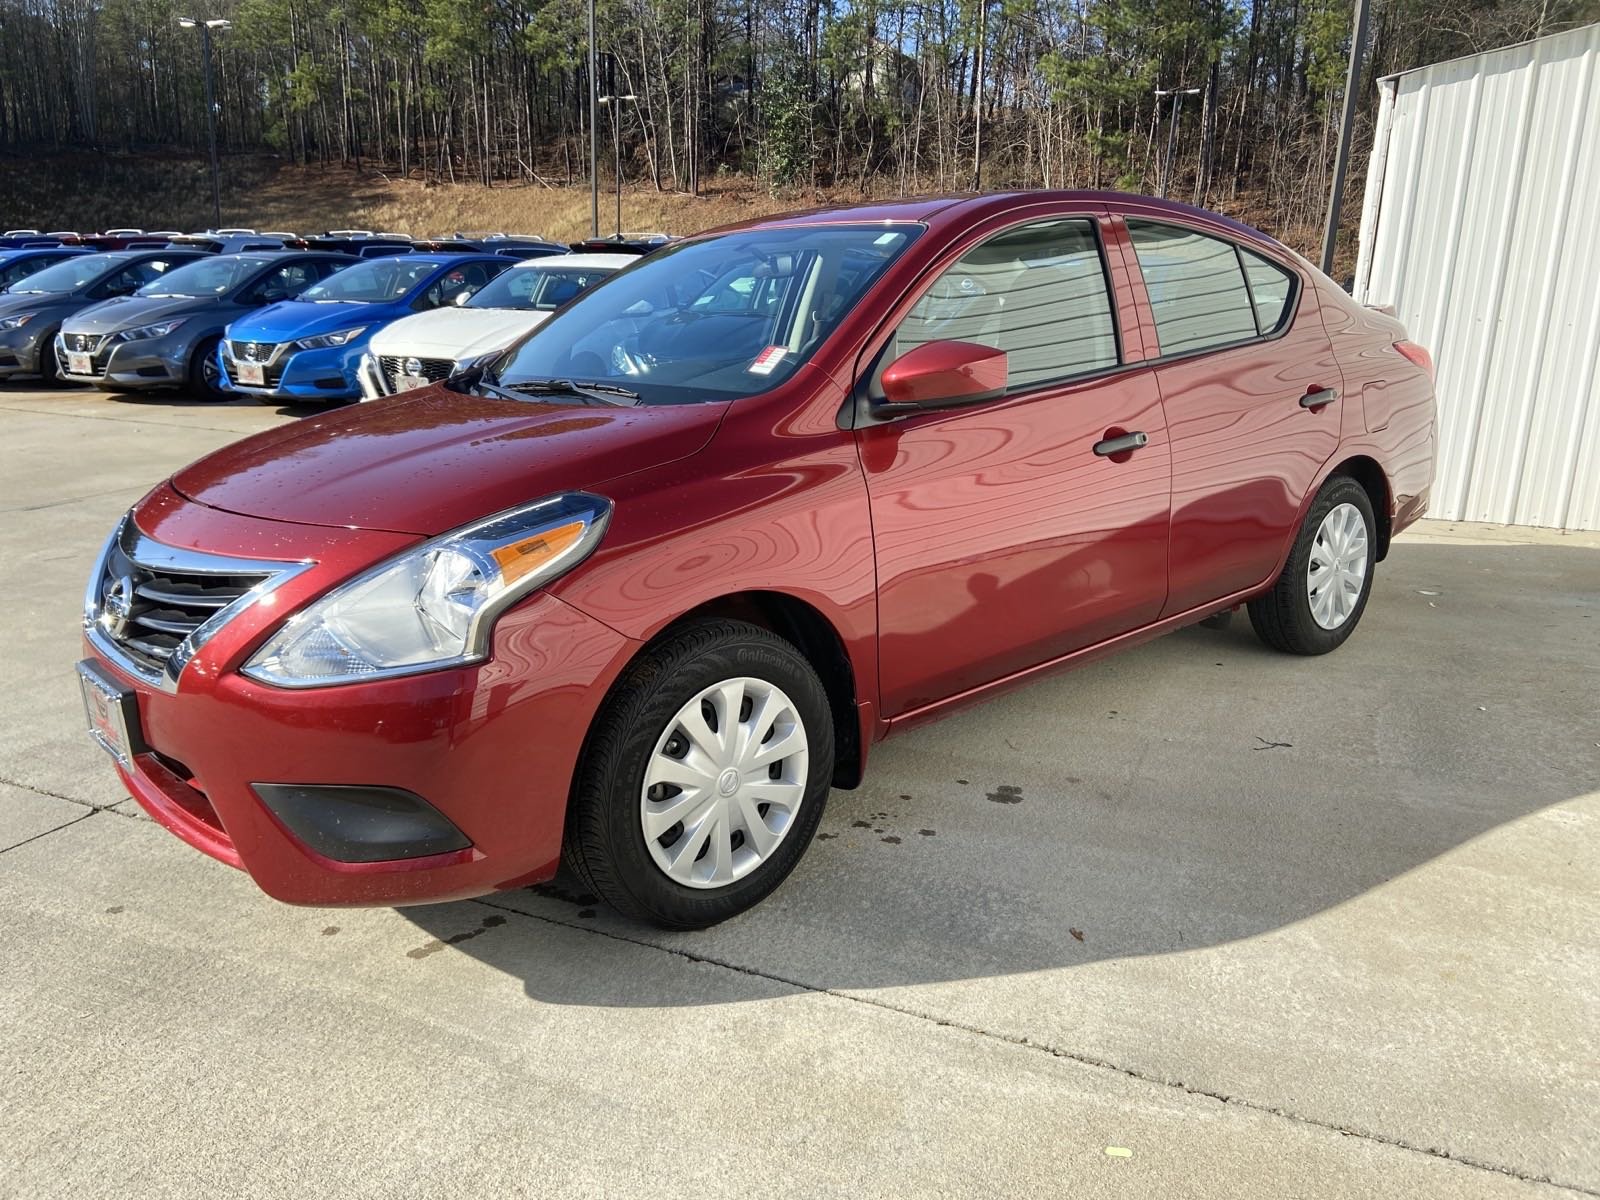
column 433, row 460
column 951, row 553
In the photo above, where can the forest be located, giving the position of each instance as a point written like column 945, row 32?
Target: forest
column 875, row 96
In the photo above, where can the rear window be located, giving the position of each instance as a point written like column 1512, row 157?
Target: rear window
column 1196, row 286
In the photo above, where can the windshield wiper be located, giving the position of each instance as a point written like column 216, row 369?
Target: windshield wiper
column 603, row 393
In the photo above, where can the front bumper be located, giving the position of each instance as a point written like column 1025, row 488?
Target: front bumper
column 491, row 748
column 311, row 375
column 147, row 363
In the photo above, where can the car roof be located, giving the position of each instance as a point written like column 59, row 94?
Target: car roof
column 557, row 262
column 440, row 260
column 968, row 208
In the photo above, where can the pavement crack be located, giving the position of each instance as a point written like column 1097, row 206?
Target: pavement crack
column 48, row 832
column 39, row 791
column 1087, row 1060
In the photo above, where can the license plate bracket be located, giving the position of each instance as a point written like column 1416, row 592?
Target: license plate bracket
column 251, row 374
column 406, row 383
column 79, row 363
column 112, row 712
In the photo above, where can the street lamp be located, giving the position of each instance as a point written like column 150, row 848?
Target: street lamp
column 1177, row 95
column 205, row 28
column 594, row 135
column 616, row 137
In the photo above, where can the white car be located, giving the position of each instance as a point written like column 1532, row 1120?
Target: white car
column 422, row 349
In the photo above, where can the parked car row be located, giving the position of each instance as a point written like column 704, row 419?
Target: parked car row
column 277, row 316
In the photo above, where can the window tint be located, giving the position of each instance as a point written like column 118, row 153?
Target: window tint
column 1196, row 288
column 1039, row 293
column 1270, row 288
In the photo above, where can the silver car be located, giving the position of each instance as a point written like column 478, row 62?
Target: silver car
column 166, row 334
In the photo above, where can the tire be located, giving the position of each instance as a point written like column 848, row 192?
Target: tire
column 50, row 364
column 205, row 373
column 639, row 733
column 1299, row 617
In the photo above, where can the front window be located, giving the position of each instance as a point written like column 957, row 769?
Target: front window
column 207, row 277
column 379, row 281
column 713, row 319
column 542, row 288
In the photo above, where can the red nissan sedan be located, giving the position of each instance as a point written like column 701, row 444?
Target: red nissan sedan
column 639, row 591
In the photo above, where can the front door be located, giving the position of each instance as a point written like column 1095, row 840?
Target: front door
column 1003, row 539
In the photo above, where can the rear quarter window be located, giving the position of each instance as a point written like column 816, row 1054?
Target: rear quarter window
column 1271, row 290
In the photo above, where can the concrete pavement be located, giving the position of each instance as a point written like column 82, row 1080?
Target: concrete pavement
column 1275, row 927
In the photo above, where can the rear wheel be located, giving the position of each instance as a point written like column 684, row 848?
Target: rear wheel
column 205, row 372
column 1322, row 592
column 704, row 778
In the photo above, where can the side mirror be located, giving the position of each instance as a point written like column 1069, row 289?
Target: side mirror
column 460, row 298
column 944, row 375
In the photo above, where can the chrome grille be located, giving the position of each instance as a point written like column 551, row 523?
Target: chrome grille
column 151, row 606
column 431, row 369
column 267, row 354
column 253, row 351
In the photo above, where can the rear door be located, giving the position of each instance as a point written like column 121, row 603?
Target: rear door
column 1003, row 539
column 1251, row 393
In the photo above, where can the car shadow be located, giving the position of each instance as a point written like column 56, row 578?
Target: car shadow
column 1193, row 792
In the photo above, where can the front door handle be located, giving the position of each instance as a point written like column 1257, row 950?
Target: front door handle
column 1319, row 398
column 1121, row 445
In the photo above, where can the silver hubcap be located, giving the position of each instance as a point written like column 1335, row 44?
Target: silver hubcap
column 724, row 783
column 1338, row 568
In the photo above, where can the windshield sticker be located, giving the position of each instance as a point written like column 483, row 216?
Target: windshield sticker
column 767, row 361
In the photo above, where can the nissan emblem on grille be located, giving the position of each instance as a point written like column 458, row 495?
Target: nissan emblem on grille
column 252, row 351
column 413, row 366
column 83, row 342
column 116, row 605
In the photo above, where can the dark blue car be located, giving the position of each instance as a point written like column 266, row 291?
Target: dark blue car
column 17, row 265
column 309, row 349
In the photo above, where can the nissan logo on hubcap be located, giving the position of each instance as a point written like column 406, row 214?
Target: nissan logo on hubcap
column 116, row 606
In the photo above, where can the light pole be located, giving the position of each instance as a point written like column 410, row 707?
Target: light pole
column 594, row 135
column 205, row 28
column 616, row 103
column 1347, row 120
column 1177, row 95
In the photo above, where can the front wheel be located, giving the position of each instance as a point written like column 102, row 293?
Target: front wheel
column 205, row 372
column 1322, row 592
column 704, row 777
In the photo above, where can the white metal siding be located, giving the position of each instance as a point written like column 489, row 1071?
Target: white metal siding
column 1481, row 227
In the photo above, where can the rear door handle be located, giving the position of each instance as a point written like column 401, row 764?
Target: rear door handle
column 1121, row 445
column 1319, row 398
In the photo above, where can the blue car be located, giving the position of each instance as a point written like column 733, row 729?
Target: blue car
column 17, row 265
column 309, row 349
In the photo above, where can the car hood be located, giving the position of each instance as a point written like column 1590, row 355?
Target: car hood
column 458, row 333
column 291, row 320
column 129, row 312
column 435, row 459
column 54, row 302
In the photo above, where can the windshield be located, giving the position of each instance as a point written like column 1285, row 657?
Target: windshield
column 543, row 288
column 67, row 276
column 207, row 277
column 377, row 281
column 713, row 319
column 13, row 270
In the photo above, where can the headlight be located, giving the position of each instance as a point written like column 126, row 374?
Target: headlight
column 16, row 322
column 338, row 337
column 159, row 329
column 432, row 606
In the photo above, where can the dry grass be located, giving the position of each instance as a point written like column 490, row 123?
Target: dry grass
column 163, row 191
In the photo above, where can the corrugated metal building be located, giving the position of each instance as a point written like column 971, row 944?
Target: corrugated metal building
column 1481, row 227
